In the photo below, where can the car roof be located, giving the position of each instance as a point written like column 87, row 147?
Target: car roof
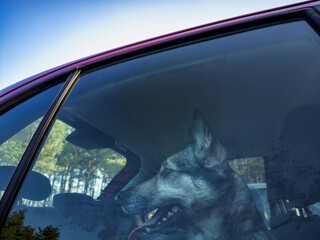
column 22, row 86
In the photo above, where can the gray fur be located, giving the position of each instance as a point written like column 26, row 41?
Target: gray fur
column 215, row 201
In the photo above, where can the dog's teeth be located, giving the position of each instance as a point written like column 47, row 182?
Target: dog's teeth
column 148, row 230
column 175, row 209
column 159, row 223
column 164, row 219
column 170, row 214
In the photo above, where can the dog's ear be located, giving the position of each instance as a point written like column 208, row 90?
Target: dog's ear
column 189, row 135
column 207, row 149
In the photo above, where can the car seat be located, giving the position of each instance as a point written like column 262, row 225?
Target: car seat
column 293, row 176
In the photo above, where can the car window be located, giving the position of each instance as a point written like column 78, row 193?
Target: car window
column 252, row 171
column 71, row 179
column 213, row 140
column 17, row 127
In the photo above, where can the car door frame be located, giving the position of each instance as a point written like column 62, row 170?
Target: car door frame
column 308, row 12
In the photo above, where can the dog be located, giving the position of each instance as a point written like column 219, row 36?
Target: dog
column 197, row 195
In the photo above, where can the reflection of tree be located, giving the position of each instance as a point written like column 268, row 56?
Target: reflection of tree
column 251, row 169
column 12, row 150
column 69, row 167
column 14, row 229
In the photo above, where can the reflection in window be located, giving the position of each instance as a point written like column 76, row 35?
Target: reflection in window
column 12, row 150
column 66, row 185
column 72, row 169
column 17, row 127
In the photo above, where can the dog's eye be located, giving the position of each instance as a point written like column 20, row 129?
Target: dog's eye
column 167, row 171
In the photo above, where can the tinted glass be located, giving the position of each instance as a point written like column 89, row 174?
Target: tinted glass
column 227, row 135
column 67, row 182
column 17, row 127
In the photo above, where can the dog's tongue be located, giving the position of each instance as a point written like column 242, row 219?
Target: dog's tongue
column 159, row 213
column 152, row 221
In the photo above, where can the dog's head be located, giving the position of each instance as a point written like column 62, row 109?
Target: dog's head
column 193, row 178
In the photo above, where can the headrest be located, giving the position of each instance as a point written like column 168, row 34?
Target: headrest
column 294, row 172
column 36, row 186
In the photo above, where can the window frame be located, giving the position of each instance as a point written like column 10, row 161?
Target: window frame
column 24, row 92
column 310, row 15
column 33, row 147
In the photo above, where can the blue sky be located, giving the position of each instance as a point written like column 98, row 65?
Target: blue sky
column 36, row 35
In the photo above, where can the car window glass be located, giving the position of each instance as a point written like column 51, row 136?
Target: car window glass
column 71, row 179
column 252, row 172
column 17, row 127
column 217, row 140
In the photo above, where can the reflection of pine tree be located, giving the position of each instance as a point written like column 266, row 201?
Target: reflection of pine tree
column 14, row 229
column 70, row 168
column 48, row 233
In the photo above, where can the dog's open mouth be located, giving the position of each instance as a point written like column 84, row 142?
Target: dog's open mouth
column 155, row 220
